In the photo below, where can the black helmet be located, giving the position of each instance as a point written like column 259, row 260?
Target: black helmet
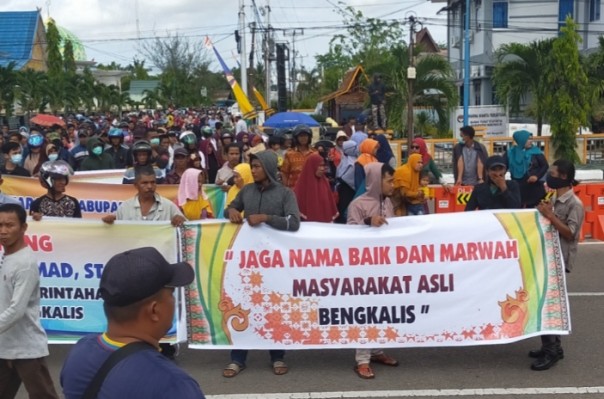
column 274, row 139
column 299, row 129
column 142, row 146
column 51, row 170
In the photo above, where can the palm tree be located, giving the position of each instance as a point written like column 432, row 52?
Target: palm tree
column 31, row 90
column 309, row 85
column 519, row 73
column 433, row 87
column 8, row 81
column 153, row 98
column 55, row 93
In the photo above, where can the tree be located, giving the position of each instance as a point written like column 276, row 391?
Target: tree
column 32, row 87
column 69, row 64
column 594, row 66
column 308, row 89
column 433, row 87
column 367, row 40
column 8, row 80
column 519, row 74
column 177, row 59
column 569, row 96
column 53, row 44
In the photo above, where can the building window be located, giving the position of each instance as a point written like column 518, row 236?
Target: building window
column 565, row 8
column 594, row 10
column 500, row 14
column 477, row 92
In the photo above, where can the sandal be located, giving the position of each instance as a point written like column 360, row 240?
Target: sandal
column 280, row 368
column 383, row 358
column 232, row 369
column 364, row 371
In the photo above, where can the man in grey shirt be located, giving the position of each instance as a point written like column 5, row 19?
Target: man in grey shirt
column 264, row 201
column 23, row 342
column 469, row 159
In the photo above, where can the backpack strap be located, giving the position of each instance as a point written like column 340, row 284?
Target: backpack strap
column 97, row 382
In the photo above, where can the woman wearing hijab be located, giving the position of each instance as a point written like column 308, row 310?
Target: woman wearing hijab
column 242, row 175
column 368, row 149
column 527, row 166
column 345, row 179
column 192, row 200
column 313, row 192
column 419, row 147
column 409, row 194
column 384, row 153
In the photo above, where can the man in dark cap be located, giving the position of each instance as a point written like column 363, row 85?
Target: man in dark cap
column 137, row 287
column 496, row 192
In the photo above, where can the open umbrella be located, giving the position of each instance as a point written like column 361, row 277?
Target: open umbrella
column 47, row 120
column 290, row 119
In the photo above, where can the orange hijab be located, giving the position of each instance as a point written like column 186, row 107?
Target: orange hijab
column 406, row 176
column 366, row 149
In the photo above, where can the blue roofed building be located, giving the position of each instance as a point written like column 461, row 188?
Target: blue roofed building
column 23, row 40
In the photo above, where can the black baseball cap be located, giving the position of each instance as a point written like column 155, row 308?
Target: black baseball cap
column 136, row 274
column 495, row 160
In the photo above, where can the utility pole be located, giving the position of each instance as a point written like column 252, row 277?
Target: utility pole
column 411, row 75
column 267, row 52
column 252, row 50
column 466, row 67
column 292, row 74
column 242, row 52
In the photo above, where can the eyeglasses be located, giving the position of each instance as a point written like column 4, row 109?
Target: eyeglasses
column 415, row 147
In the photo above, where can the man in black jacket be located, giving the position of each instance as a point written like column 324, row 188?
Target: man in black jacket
column 496, row 192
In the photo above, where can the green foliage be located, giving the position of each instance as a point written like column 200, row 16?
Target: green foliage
column 183, row 67
column 519, row 73
column 53, row 44
column 68, row 58
column 433, row 88
column 568, row 98
column 8, row 79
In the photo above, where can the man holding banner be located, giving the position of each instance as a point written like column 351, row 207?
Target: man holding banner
column 148, row 205
column 372, row 209
column 265, row 201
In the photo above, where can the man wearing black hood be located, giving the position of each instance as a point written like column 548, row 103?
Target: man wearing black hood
column 265, row 201
column 97, row 158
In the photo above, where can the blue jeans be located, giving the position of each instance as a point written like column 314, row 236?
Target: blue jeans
column 415, row 209
column 238, row 356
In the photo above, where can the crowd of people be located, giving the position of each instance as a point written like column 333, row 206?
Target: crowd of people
column 281, row 180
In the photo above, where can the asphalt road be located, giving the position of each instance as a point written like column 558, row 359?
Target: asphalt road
column 500, row 371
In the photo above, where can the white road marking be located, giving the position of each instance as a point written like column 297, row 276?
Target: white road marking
column 586, row 294
column 419, row 393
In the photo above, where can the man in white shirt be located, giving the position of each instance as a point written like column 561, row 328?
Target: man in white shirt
column 240, row 125
column 23, row 342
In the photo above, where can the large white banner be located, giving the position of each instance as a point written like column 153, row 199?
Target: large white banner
column 435, row 280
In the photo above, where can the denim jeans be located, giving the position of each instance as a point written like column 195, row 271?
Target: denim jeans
column 238, row 356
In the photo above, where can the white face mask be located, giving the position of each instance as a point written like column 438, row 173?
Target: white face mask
column 53, row 157
column 16, row 158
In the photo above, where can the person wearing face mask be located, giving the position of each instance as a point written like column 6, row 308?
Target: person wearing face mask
column 35, row 156
column 566, row 214
column 97, row 158
column 13, row 158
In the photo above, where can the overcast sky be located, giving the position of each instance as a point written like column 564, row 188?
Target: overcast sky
column 107, row 28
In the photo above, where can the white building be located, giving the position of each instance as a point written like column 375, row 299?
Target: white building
column 497, row 22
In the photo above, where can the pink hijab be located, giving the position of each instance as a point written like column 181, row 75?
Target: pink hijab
column 189, row 186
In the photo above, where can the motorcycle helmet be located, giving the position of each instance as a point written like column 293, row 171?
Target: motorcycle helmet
column 54, row 169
